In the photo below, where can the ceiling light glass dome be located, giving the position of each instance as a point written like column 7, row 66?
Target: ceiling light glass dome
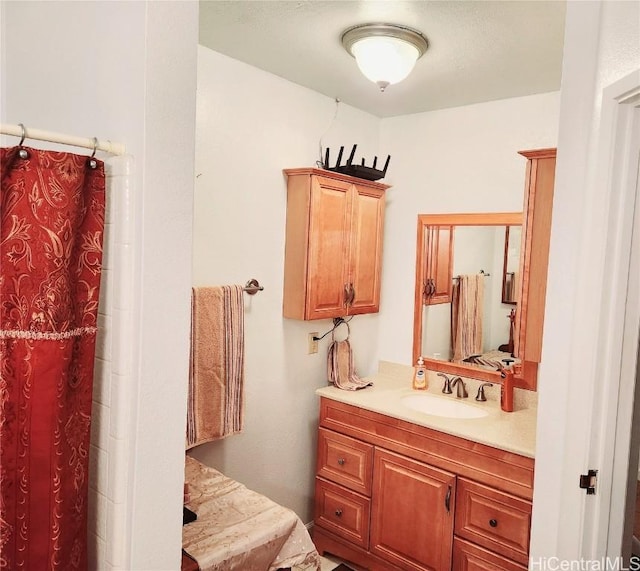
column 385, row 53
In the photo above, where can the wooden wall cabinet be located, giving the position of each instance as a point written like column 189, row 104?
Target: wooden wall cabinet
column 333, row 250
column 534, row 258
column 393, row 495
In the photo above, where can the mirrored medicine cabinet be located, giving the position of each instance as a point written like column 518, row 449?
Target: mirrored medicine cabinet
column 505, row 255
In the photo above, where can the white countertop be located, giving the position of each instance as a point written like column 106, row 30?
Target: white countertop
column 511, row 431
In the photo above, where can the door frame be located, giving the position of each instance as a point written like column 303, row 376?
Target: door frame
column 614, row 381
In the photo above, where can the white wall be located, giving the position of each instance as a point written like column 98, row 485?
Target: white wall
column 252, row 125
column 462, row 159
column 601, row 46
column 125, row 71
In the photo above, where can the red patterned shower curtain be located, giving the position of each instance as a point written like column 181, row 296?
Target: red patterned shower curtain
column 51, row 230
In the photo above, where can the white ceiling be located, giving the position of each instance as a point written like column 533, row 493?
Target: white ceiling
column 479, row 50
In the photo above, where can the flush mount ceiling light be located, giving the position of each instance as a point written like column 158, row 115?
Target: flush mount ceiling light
column 385, row 53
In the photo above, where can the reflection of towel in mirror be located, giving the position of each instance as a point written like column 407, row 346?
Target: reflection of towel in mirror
column 340, row 367
column 466, row 316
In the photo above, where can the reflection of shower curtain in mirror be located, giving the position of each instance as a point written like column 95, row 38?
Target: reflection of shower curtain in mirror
column 51, row 230
column 466, row 316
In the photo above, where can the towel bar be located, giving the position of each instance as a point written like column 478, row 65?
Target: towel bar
column 252, row 287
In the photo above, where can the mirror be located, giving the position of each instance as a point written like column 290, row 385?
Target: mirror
column 440, row 242
column 462, row 325
column 511, row 266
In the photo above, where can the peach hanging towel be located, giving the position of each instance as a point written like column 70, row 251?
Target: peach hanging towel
column 340, row 369
column 466, row 316
column 215, row 407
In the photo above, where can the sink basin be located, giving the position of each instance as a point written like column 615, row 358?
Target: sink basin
column 438, row 406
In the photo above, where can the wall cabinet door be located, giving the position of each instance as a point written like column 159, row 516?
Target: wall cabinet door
column 329, row 244
column 412, row 513
column 365, row 265
column 333, row 250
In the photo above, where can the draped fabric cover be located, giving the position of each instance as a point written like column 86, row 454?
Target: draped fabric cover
column 51, row 232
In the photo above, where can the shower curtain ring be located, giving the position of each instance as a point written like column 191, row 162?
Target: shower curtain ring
column 92, row 162
column 22, row 153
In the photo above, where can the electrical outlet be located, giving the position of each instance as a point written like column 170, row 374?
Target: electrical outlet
column 313, row 343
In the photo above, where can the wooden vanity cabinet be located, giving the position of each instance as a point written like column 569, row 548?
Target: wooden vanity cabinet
column 333, row 250
column 394, row 495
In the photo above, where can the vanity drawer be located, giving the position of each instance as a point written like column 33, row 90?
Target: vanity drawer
column 470, row 557
column 342, row 512
column 345, row 460
column 492, row 519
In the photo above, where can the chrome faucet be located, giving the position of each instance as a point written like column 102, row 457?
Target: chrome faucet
column 446, row 388
column 461, row 390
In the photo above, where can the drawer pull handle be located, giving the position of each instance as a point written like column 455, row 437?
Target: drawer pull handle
column 338, row 512
column 447, row 500
column 493, row 522
column 341, row 461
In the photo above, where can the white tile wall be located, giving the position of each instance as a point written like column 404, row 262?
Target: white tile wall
column 111, row 415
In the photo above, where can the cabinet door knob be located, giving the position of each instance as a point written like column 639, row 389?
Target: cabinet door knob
column 338, row 512
column 346, row 295
column 493, row 522
column 341, row 461
column 447, row 500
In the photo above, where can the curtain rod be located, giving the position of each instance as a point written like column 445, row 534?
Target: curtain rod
column 17, row 131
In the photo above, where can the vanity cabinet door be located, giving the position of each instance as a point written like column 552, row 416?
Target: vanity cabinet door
column 412, row 513
column 333, row 250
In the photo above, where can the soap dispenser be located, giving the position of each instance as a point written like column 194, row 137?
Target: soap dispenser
column 506, row 392
column 420, row 376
